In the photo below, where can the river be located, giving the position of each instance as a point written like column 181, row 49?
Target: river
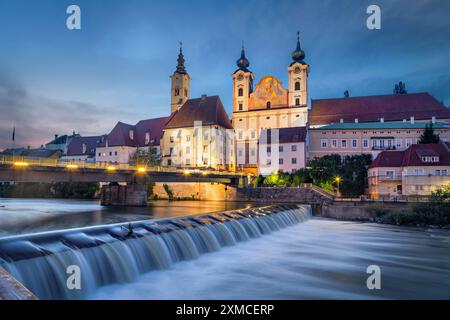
column 314, row 259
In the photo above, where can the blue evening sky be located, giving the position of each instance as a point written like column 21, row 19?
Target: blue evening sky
column 117, row 68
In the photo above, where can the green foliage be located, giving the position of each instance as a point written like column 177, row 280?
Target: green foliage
column 376, row 210
column 258, row 181
column 428, row 136
column 169, row 191
column 148, row 157
column 300, row 176
column 280, row 179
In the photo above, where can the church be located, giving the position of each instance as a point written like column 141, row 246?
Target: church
column 268, row 105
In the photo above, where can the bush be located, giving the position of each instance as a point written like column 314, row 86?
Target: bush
column 376, row 210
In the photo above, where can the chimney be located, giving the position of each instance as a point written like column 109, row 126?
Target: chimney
column 356, row 120
column 412, row 120
column 204, row 96
column 433, row 119
column 341, row 120
column 382, row 120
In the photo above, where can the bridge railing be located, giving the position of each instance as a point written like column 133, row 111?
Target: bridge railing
column 21, row 162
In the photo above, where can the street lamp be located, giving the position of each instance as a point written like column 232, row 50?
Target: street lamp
column 338, row 180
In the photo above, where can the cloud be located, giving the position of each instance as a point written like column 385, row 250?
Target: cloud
column 37, row 118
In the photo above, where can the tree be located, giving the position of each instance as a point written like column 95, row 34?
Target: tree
column 428, row 136
column 148, row 157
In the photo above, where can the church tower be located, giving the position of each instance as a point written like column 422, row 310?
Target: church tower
column 298, row 78
column 242, row 83
column 180, row 84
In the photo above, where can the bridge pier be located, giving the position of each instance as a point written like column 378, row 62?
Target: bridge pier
column 130, row 195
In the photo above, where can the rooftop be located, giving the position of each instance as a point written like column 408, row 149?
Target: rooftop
column 379, row 125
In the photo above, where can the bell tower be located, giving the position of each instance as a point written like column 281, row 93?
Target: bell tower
column 298, row 78
column 242, row 83
column 180, row 84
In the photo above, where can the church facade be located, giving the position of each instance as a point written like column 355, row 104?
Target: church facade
column 268, row 105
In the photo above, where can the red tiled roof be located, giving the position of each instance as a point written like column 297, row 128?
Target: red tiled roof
column 120, row 135
column 394, row 107
column 412, row 156
column 75, row 147
column 208, row 110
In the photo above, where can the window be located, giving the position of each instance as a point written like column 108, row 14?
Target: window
column 115, row 153
column 169, row 162
column 84, row 148
column 444, row 172
column 241, row 92
column 170, row 151
column 206, row 136
column 334, row 143
column 297, row 101
column 390, row 175
column 147, row 137
column 240, row 135
column 177, row 92
column 110, row 153
column 280, row 148
column 344, row 143
column 268, row 105
column 131, row 133
column 205, row 149
column 323, row 143
column 437, row 172
column 398, row 143
column 268, row 162
column 188, row 138
column 294, row 160
column 188, row 150
column 365, row 143
column 172, row 139
column 240, row 152
column 297, row 86
column 354, row 143
column 293, row 148
column 280, row 161
column 408, row 143
column 99, row 154
column 188, row 161
column 252, row 152
column 253, row 134
column 389, row 143
column 269, row 149
column 241, row 107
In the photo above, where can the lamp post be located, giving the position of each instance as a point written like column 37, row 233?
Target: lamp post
column 338, row 180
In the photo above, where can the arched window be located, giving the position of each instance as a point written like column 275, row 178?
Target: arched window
column 297, row 102
column 268, row 105
column 177, row 92
column 241, row 92
column 297, row 85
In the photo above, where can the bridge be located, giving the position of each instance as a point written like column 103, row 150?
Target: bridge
column 133, row 179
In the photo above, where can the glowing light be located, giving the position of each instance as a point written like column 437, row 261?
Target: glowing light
column 111, row 168
column 204, row 173
column 21, row 164
column 337, row 179
column 142, row 170
column 186, row 172
column 72, row 166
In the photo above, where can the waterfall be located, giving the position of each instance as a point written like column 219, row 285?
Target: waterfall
column 120, row 253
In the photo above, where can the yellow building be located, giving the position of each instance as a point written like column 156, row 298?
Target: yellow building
column 268, row 105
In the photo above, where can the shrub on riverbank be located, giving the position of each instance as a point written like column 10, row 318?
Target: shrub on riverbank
column 63, row 190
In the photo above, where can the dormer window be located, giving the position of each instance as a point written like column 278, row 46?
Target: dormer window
column 430, row 158
column 83, row 148
column 131, row 134
column 147, row 137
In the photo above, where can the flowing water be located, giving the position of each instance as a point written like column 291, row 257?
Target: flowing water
column 284, row 255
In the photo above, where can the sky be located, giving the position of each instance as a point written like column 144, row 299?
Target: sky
column 117, row 67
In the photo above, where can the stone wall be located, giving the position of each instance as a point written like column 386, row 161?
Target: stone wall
column 291, row 195
column 197, row 191
column 133, row 195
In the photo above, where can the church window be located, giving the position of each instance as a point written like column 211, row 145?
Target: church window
column 241, row 92
column 241, row 107
column 177, row 92
column 268, row 104
column 297, row 86
column 297, row 102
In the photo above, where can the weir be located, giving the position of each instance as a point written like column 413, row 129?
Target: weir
column 120, row 253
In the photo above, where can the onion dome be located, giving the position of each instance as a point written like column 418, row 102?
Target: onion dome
column 243, row 62
column 298, row 55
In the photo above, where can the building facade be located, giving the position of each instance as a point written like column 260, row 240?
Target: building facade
column 199, row 135
column 268, row 105
column 347, row 139
column 416, row 171
column 282, row 149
